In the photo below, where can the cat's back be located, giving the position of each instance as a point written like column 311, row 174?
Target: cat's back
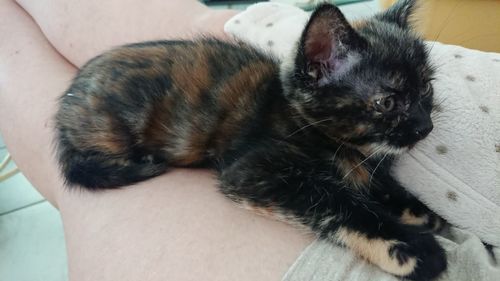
column 184, row 63
column 181, row 97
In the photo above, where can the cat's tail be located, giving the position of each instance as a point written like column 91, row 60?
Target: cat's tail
column 100, row 171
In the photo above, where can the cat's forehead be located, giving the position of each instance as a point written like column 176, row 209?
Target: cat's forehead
column 389, row 43
column 397, row 55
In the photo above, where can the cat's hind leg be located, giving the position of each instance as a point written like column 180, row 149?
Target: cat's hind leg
column 96, row 170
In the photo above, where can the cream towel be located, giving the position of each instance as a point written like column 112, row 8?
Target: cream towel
column 456, row 169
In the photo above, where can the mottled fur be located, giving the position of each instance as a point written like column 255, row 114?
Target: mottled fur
column 309, row 141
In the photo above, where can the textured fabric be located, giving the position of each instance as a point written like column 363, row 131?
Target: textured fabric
column 310, row 4
column 468, row 260
column 456, row 169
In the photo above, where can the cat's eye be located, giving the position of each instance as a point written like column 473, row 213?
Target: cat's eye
column 385, row 104
column 428, row 90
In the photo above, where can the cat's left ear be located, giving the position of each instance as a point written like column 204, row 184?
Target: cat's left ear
column 329, row 46
column 399, row 13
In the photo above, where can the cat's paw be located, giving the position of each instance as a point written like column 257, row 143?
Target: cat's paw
column 413, row 255
column 429, row 256
column 420, row 215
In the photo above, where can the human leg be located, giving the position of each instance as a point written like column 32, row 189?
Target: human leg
column 175, row 227
column 79, row 30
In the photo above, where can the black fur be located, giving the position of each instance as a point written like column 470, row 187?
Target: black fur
column 311, row 142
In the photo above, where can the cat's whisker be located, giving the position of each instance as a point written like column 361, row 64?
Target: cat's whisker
column 335, row 155
column 436, row 66
column 374, row 170
column 447, row 20
column 444, row 129
column 437, row 105
column 336, row 151
column 487, row 35
column 307, row 126
column 369, row 7
column 379, row 148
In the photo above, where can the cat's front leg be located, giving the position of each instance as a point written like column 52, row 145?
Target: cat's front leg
column 404, row 205
column 286, row 184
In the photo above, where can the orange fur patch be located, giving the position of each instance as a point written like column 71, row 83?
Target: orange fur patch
column 376, row 251
column 357, row 175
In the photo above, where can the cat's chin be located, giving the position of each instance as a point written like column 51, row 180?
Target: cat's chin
column 381, row 149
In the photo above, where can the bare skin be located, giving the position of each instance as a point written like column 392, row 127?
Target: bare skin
column 174, row 227
column 81, row 29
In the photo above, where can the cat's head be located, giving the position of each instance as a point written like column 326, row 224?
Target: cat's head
column 367, row 84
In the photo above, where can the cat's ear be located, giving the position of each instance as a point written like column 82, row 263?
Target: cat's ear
column 329, row 45
column 399, row 13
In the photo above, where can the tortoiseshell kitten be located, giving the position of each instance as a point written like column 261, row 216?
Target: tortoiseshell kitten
column 306, row 142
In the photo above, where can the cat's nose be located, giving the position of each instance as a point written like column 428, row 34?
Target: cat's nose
column 423, row 130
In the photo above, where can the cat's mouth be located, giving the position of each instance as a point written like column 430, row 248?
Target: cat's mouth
column 406, row 141
column 403, row 145
column 382, row 149
column 411, row 146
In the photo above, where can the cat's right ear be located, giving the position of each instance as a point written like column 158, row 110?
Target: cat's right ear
column 329, row 46
column 399, row 13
